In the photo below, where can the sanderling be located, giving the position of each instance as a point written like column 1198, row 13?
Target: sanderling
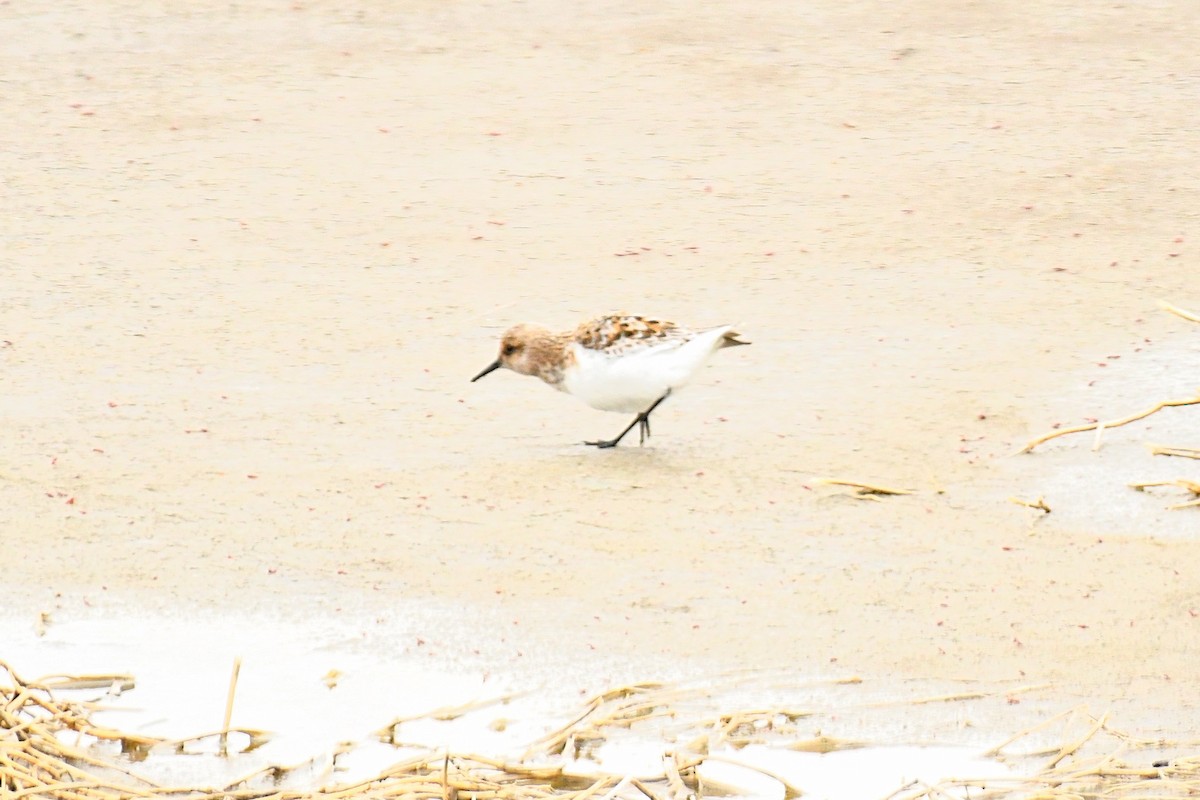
column 615, row 363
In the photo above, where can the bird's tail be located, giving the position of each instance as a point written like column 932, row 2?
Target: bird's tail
column 730, row 339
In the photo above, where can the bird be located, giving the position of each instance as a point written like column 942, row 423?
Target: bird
column 620, row 362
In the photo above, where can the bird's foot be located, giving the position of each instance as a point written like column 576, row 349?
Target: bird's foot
column 643, row 430
column 604, row 443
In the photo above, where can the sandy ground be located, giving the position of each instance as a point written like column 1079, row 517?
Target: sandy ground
column 253, row 253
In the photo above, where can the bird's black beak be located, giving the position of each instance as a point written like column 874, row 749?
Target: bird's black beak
column 492, row 367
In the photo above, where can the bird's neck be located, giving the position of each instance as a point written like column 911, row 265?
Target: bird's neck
column 550, row 356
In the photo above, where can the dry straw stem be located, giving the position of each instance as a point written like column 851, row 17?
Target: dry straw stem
column 960, row 696
column 1104, row 775
column 644, row 789
column 825, row 744
column 122, row 683
column 1019, row 735
column 1178, row 452
column 790, row 789
column 1179, row 312
column 676, row 787
column 681, row 770
column 620, row 707
column 233, row 679
column 1072, row 748
column 1191, row 486
column 753, row 727
column 255, row 739
column 863, row 489
column 1039, row 504
column 1100, row 427
column 444, row 714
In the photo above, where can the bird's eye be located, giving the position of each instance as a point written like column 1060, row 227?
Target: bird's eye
column 509, row 349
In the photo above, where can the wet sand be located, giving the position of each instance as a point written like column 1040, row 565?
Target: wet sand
column 253, row 254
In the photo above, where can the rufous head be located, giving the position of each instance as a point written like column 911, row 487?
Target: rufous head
column 522, row 349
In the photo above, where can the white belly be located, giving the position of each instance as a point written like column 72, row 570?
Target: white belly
column 633, row 379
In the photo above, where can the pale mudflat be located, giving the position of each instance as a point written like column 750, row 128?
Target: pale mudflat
column 252, row 254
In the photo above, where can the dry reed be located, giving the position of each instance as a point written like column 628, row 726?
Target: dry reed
column 1101, row 427
column 37, row 761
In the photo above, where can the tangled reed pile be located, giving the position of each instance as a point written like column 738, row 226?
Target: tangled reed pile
column 49, row 748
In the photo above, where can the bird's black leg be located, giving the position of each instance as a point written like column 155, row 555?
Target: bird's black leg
column 603, row 443
column 642, row 420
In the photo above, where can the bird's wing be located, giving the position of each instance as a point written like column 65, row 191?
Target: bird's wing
column 619, row 333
